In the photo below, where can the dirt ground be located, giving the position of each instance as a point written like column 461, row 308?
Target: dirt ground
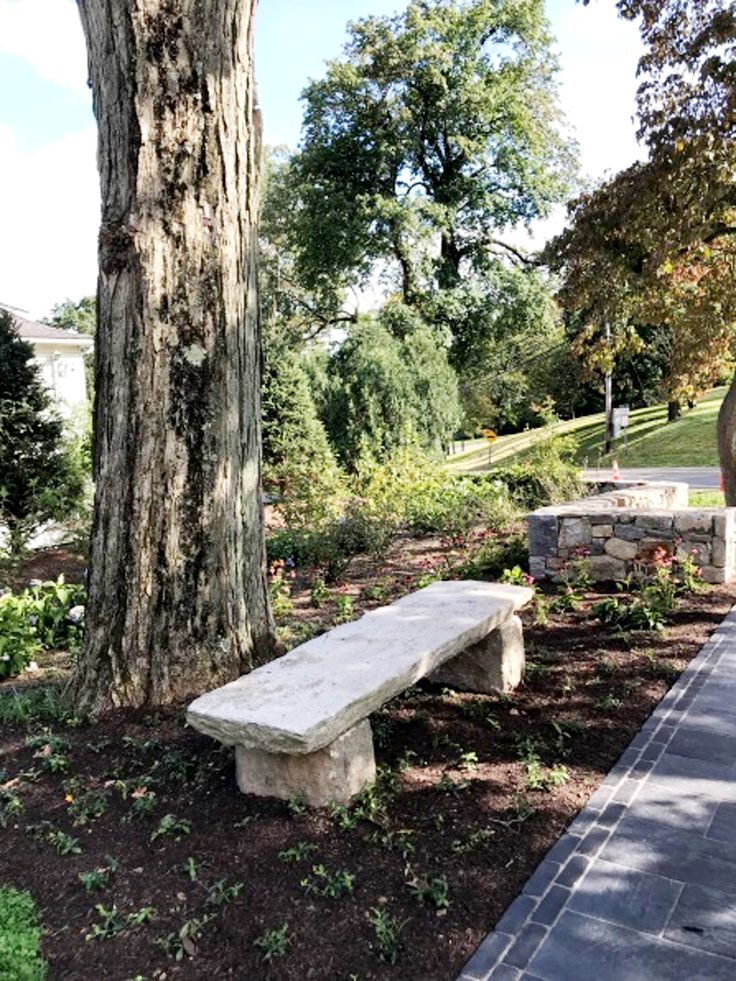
column 191, row 879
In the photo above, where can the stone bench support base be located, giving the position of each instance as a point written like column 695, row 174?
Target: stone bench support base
column 494, row 664
column 335, row 773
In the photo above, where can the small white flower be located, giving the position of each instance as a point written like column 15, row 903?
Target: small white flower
column 76, row 614
column 5, row 657
column 32, row 666
column 33, row 620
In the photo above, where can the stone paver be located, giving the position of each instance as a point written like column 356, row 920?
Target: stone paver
column 642, row 885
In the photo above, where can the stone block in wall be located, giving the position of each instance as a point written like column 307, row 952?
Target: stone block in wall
column 655, row 522
column 686, row 521
column 629, row 533
column 574, row 532
column 718, row 552
column 537, row 567
column 602, row 531
column 699, row 551
column 542, row 531
column 654, row 538
column 606, row 568
column 712, row 574
column 596, row 546
column 723, row 523
column 620, row 549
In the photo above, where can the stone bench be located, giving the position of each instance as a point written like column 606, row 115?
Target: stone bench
column 300, row 725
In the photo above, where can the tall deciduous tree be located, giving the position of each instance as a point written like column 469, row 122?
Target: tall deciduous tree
column 621, row 267
column 437, row 129
column 177, row 589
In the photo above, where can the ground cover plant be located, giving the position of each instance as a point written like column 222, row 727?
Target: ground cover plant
column 145, row 860
column 20, row 934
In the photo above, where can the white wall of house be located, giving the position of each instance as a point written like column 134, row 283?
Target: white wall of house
column 62, row 369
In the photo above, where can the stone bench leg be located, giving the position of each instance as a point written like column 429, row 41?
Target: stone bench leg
column 335, row 773
column 494, row 664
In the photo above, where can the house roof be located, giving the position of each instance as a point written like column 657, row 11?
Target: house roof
column 31, row 330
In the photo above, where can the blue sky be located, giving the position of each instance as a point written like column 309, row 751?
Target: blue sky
column 48, row 184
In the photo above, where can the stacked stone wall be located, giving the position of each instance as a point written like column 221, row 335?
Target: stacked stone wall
column 618, row 531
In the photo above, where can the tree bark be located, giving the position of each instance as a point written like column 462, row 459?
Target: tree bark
column 727, row 443
column 178, row 600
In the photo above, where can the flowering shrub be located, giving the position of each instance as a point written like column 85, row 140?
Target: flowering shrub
column 45, row 615
column 18, row 641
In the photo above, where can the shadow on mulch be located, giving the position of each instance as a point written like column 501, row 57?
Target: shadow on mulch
column 471, row 795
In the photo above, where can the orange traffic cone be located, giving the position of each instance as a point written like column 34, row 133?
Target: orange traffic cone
column 616, row 472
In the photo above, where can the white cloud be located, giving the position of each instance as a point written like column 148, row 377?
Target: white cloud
column 49, row 202
column 47, row 34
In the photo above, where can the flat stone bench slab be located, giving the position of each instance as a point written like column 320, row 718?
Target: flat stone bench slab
column 303, row 701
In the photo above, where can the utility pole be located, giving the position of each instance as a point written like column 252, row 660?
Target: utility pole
column 608, row 441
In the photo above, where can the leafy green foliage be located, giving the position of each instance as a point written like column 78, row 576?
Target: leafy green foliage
column 42, row 704
column 49, row 615
column 273, row 943
column 548, row 474
column 387, row 932
column 386, row 390
column 429, row 889
column 171, row 825
column 299, row 465
column 20, row 936
column 425, row 129
column 331, row 885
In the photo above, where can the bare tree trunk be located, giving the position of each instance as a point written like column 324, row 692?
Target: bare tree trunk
column 727, row 443
column 177, row 591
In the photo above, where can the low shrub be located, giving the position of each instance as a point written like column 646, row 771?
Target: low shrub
column 451, row 505
column 46, row 615
column 548, row 475
column 488, row 557
column 20, row 935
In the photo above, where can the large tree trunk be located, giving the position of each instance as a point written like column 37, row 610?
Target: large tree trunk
column 727, row 443
column 177, row 591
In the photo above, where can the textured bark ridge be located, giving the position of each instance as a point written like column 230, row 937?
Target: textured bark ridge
column 727, row 443
column 177, row 591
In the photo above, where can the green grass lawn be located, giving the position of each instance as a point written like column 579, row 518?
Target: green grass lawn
column 706, row 499
column 652, row 441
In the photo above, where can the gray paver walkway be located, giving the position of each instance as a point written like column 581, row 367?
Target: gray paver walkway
column 642, row 885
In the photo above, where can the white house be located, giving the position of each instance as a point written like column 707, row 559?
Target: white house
column 60, row 355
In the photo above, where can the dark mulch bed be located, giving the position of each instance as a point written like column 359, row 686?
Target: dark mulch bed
column 456, row 800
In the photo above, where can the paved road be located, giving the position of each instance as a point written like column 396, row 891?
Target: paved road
column 699, row 478
column 642, row 885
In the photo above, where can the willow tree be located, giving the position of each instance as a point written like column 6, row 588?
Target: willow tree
column 177, row 589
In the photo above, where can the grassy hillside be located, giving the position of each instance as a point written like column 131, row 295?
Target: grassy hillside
column 652, row 441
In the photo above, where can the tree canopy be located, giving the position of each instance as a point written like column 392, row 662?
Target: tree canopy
column 437, row 129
